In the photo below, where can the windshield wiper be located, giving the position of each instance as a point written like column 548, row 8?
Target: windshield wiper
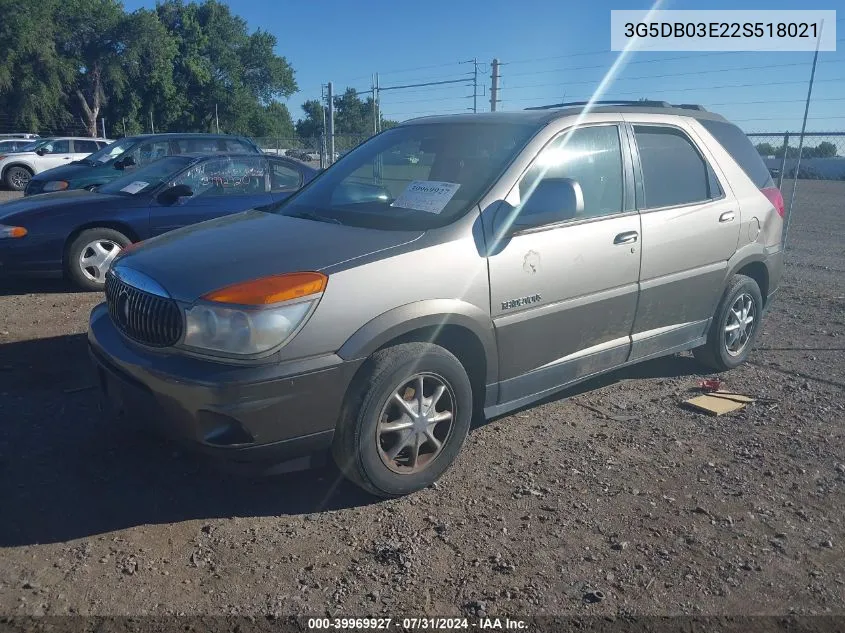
column 311, row 215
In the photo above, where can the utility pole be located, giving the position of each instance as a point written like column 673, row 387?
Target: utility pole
column 475, row 84
column 103, row 121
column 325, row 159
column 216, row 119
column 494, row 86
column 124, row 127
column 331, row 122
column 152, row 127
column 375, row 103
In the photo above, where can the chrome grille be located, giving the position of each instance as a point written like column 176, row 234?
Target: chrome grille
column 143, row 316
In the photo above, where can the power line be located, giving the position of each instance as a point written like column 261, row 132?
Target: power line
column 681, row 74
column 663, row 91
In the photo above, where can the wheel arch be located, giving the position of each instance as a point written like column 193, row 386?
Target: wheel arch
column 752, row 265
column 115, row 225
column 6, row 168
column 462, row 328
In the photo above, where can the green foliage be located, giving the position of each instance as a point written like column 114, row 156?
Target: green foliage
column 352, row 116
column 69, row 63
column 825, row 149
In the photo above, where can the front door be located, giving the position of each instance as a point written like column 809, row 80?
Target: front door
column 56, row 153
column 221, row 186
column 690, row 228
column 563, row 297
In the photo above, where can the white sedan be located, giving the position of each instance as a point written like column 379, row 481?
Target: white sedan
column 17, row 168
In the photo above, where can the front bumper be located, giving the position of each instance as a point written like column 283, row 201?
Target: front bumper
column 255, row 415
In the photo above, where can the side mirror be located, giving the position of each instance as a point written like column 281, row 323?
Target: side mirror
column 41, row 151
column 172, row 194
column 126, row 161
column 553, row 200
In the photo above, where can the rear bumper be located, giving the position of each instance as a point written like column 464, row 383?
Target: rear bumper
column 774, row 265
column 257, row 416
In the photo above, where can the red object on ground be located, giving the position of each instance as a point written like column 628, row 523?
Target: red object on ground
column 710, row 385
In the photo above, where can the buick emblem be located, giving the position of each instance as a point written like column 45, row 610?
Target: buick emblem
column 123, row 308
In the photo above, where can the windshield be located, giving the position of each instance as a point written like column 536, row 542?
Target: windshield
column 145, row 179
column 110, row 151
column 412, row 176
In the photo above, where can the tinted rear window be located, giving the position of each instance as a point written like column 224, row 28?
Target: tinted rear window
column 736, row 143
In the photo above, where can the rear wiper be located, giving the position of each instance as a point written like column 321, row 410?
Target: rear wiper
column 310, row 215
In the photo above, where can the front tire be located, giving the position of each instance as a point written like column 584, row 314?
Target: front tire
column 17, row 177
column 405, row 420
column 90, row 254
column 735, row 325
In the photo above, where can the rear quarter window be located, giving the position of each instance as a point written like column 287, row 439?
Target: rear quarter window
column 737, row 144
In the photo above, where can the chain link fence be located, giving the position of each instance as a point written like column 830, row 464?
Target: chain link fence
column 311, row 150
column 822, row 154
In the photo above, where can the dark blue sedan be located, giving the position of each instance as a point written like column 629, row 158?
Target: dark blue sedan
column 79, row 233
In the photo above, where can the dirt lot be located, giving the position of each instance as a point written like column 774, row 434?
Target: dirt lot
column 663, row 510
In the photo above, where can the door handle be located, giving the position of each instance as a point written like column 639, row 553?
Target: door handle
column 629, row 237
column 727, row 216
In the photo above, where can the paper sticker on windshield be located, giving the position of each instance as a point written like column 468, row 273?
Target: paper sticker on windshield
column 135, row 187
column 426, row 195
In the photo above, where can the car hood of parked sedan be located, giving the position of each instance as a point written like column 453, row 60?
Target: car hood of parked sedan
column 197, row 259
column 52, row 202
column 68, row 172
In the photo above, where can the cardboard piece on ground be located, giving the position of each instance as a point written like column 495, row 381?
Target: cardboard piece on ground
column 719, row 402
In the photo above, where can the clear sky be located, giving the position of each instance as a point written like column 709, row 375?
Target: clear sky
column 551, row 50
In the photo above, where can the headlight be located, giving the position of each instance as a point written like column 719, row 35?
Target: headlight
column 56, row 185
column 11, row 231
column 253, row 317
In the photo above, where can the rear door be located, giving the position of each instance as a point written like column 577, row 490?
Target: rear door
column 690, row 228
column 83, row 147
column 221, row 186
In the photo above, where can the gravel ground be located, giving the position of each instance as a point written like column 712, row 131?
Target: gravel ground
column 660, row 509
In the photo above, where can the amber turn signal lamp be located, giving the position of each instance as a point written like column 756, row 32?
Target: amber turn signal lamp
column 268, row 290
column 16, row 231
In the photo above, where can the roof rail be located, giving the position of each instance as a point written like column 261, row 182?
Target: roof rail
column 643, row 104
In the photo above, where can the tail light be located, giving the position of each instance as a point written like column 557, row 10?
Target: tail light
column 776, row 198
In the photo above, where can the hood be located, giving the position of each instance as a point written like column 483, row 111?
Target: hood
column 52, row 202
column 197, row 259
column 70, row 172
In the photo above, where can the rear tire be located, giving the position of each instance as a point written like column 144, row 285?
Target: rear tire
column 382, row 443
column 90, row 254
column 734, row 327
column 17, row 177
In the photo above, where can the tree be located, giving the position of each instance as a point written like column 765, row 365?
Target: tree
column 765, row 149
column 352, row 116
column 219, row 64
column 825, row 149
column 312, row 124
column 33, row 73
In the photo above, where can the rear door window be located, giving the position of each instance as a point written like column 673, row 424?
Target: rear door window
column 84, row 147
column 200, row 145
column 283, row 176
column 674, row 171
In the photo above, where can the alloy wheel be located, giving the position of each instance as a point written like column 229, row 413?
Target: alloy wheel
column 740, row 324
column 416, row 423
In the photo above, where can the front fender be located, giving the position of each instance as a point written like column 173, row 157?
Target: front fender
column 425, row 314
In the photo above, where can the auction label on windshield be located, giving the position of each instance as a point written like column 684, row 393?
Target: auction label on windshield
column 135, row 187
column 426, row 195
column 709, row 30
